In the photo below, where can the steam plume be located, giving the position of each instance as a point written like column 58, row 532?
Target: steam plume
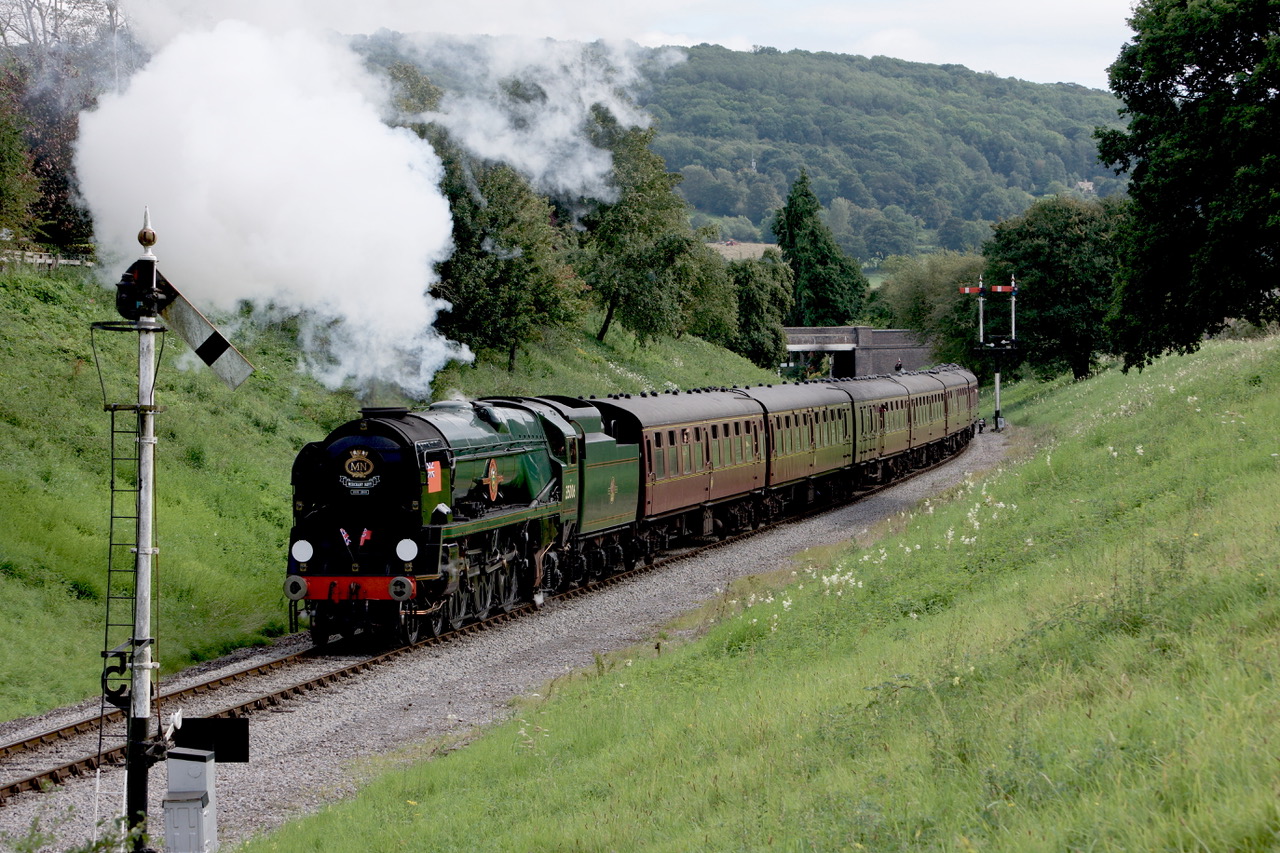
column 272, row 178
column 527, row 102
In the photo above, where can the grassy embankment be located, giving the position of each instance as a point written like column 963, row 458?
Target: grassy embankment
column 1076, row 652
column 223, row 464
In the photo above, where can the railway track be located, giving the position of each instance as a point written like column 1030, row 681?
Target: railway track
column 85, row 765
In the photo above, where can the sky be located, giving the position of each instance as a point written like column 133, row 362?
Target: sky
column 1042, row 42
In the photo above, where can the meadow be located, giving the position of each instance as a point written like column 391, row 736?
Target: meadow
column 1077, row 651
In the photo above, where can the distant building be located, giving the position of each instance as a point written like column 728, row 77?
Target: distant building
column 735, row 250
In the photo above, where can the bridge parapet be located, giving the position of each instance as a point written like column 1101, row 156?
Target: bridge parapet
column 861, row 350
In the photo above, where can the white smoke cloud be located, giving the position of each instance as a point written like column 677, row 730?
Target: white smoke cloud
column 541, row 133
column 256, row 136
column 272, row 178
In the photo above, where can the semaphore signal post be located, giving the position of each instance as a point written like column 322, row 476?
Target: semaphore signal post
column 1001, row 346
column 143, row 297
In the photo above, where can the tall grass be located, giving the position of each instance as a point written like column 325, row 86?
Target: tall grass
column 1077, row 652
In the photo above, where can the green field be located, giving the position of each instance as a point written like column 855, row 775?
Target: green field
column 1078, row 651
column 223, row 462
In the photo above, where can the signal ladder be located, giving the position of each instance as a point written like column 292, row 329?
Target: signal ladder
column 118, row 646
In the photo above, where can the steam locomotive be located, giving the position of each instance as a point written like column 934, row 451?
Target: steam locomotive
column 405, row 522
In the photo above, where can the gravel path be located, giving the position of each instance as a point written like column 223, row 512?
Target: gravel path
column 303, row 753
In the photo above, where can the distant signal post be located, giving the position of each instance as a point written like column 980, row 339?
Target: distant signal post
column 1003, row 345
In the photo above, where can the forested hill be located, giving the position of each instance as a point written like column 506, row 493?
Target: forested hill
column 903, row 154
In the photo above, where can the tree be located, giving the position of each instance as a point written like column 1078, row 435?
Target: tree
column 921, row 293
column 1199, row 83
column 961, row 235
column 63, row 51
column 505, row 279
column 639, row 251
column 829, row 285
column 1063, row 254
column 709, row 303
column 19, row 189
column 764, row 298
column 43, row 27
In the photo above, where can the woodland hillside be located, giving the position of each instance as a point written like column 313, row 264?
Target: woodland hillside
column 904, row 155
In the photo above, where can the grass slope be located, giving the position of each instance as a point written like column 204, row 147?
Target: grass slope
column 223, row 463
column 1077, row 652
column 571, row 357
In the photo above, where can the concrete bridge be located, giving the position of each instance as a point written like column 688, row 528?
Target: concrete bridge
column 861, row 350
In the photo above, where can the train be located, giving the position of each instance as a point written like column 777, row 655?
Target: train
column 414, row 522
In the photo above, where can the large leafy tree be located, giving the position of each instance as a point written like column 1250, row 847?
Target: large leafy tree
column 506, row 280
column 639, row 255
column 709, row 303
column 1062, row 252
column 63, row 51
column 764, row 298
column 19, row 189
column 1199, row 83
column 921, row 293
column 829, row 285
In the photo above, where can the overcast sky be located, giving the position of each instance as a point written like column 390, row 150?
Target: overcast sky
column 1043, row 42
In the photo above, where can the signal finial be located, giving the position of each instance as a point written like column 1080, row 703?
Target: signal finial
column 147, row 236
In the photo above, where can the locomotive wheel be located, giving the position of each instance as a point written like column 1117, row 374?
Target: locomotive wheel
column 438, row 619
column 456, row 609
column 552, row 572
column 409, row 625
column 505, row 588
column 482, row 595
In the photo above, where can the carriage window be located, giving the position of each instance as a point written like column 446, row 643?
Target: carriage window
column 715, row 431
column 737, row 427
column 684, row 436
column 697, row 434
column 657, row 439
